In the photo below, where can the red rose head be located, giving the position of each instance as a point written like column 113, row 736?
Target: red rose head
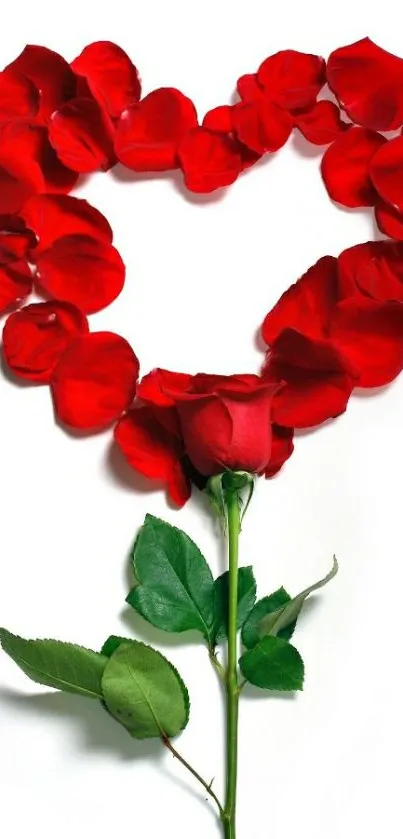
column 225, row 422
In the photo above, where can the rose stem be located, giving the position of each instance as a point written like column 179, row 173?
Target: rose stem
column 232, row 688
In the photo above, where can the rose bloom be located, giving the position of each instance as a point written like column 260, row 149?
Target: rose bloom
column 186, row 429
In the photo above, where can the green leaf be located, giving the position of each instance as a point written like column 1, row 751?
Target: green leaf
column 112, row 643
column 144, row 692
column 265, row 606
column 246, row 599
column 57, row 664
column 273, row 664
column 274, row 623
column 175, row 585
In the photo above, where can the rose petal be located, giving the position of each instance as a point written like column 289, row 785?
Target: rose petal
column 153, row 451
column 346, row 167
column 307, row 304
column 18, row 97
column 156, row 386
column 375, row 269
column 220, row 119
column 389, row 220
column 148, row 134
column 282, row 447
column 82, row 134
column 262, row 126
column 15, row 283
column 52, row 216
column 209, row 160
column 14, row 246
column 292, row 79
column 28, row 145
column 110, row 74
column 82, row 270
column 249, row 88
column 368, row 82
column 50, row 74
column 386, row 172
column 35, row 337
column 322, row 123
column 318, row 380
column 94, row 381
column 370, row 334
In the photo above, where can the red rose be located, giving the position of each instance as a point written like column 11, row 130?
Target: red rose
column 225, row 422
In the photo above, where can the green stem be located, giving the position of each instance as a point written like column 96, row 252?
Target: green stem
column 232, row 689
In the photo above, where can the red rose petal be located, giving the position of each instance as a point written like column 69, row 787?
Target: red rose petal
column 14, row 246
column 282, row 447
column 148, row 134
column 153, row 451
column 18, row 181
column 389, row 220
column 346, row 167
column 375, row 269
column 82, row 270
column 156, row 386
column 370, row 334
column 368, row 82
column 51, row 75
column 94, row 381
column 292, row 79
column 386, row 172
column 111, row 76
column 82, row 134
column 29, row 145
column 307, row 305
column 52, row 216
column 15, row 283
column 261, row 126
column 318, row 380
column 321, row 124
column 209, row 160
column 249, row 88
column 220, row 119
column 18, row 97
column 35, row 337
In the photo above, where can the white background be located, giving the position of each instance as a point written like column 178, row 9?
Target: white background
column 201, row 276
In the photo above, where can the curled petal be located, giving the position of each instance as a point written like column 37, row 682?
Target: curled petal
column 317, row 380
column 374, row 269
column 387, row 172
column 153, row 451
column 51, row 75
column 18, row 97
column 82, row 270
column 282, row 447
column 14, row 246
column 389, row 220
column 52, row 216
column 94, row 380
column 307, row 305
column 370, row 334
column 110, row 74
column 15, row 283
column 82, row 135
column 209, row 160
column 148, row 134
column 158, row 386
column 292, row 79
column 346, row 167
column 261, row 125
column 321, row 124
column 368, row 82
column 35, row 337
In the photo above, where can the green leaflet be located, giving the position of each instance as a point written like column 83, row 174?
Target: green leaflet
column 175, row 590
column 56, row 664
column 273, row 664
column 267, row 605
column 144, row 692
column 274, row 623
column 112, row 643
column 246, row 599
